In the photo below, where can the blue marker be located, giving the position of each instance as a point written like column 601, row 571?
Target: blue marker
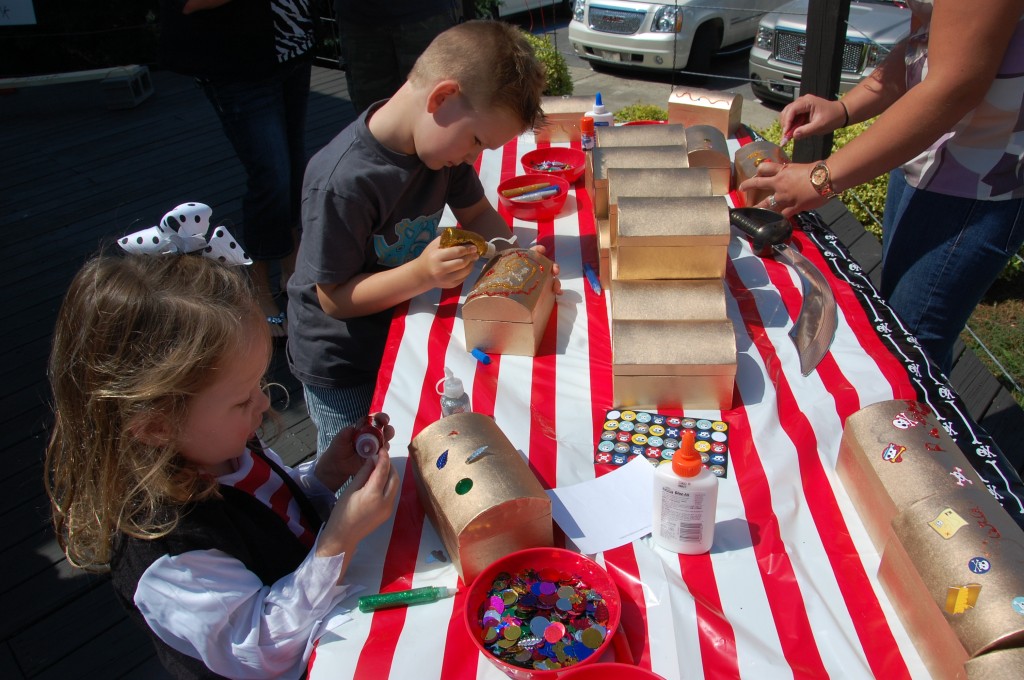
column 480, row 355
column 538, row 195
column 595, row 282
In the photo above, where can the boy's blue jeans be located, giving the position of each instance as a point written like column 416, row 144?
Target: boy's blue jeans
column 940, row 255
column 334, row 408
column 265, row 121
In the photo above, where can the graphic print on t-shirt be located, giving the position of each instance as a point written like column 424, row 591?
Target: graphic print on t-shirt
column 413, row 237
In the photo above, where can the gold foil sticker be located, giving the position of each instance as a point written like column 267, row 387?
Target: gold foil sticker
column 961, row 598
column 450, row 236
column 947, row 523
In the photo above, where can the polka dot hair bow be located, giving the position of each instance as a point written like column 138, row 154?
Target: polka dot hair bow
column 183, row 230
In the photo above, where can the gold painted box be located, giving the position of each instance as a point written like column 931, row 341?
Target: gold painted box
column 604, row 252
column 893, row 454
column 600, row 161
column 745, row 163
column 508, row 308
column 706, row 148
column 1004, row 664
column 562, row 118
column 672, row 300
column 694, row 106
column 482, row 508
column 671, row 238
column 640, row 135
column 673, row 364
column 654, row 183
column 954, row 571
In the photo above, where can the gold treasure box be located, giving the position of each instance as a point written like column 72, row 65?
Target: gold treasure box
column 562, row 118
column 640, row 135
column 654, row 183
column 600, row 161
column 706, row 148
column 479, row 493
column 671, row 238
column 694, row 106
column 745, row 163
column 893, row 454
column 673, row 364
column 672, row 300
column 508, row 308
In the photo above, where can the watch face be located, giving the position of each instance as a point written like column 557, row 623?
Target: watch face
column 819, row 176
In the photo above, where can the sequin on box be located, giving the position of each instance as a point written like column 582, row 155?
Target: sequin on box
column 542, row 620
column 657, row 437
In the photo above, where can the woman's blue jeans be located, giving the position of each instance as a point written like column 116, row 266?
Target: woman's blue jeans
column 265, row 121
column 940, row 255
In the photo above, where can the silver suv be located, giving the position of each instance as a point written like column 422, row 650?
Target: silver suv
column 662, row 36
column 777, row 57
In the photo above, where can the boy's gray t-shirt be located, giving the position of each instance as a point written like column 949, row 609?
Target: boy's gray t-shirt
column 364, row 208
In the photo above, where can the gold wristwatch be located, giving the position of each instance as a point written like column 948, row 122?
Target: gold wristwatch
column 821, row 180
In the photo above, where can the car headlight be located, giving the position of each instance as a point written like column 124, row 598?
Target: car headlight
column 667, row 20
column 876, row 55
column 579, row 9
column 765, row 39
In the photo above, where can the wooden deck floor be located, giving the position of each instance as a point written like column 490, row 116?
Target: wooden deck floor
column 73, row 176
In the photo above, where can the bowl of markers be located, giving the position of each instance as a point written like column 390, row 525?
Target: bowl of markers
column 533, row 196
column 559, row 161
column 537, row 612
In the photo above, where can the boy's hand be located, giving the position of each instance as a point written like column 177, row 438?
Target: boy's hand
column 446, row 267
column 340, row 460
column 556, row 284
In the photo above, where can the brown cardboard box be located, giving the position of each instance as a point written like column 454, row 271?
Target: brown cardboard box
column 510, row 304
column 706, row 148
column 745, row 163
column 673, row 364
column 671, row 238
column 1005, row 664
column 694, row 106
column 484, row 509
column 674, row 300
column 640, row 135
column 654, row 182
column 562, row 118
column 893, row 454
column 954, row 570
column 604, row 271
column 600, row 161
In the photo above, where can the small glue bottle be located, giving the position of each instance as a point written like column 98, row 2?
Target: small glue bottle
column 685, row 500
column 453, row 397
column 369, row 439
column 587, row 137
column 600, row 114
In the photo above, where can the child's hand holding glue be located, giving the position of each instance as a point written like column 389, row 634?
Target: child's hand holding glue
column 342, row 459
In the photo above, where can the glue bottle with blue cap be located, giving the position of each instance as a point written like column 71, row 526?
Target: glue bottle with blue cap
column 600, row 114
column 453, row 397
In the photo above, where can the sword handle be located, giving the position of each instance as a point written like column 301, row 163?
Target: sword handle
column 765, row 228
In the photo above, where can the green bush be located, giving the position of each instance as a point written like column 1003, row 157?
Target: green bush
column 559, row 82
column 633, row 112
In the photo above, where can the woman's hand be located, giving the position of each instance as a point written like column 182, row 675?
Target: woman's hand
column 788, row 185
column 810, row 115
column 340, row 461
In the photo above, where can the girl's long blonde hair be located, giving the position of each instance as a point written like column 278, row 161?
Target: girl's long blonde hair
column 136, row 337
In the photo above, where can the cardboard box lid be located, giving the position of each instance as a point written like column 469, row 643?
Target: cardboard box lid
column 515, row 286
column 566, row 104
column 660, row 347
column 669, row 299
column 666, row 182
column 640, row 135
column 706, row 147
column 637, row 157
column 685, row 221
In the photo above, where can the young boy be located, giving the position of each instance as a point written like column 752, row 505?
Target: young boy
column 372, row 200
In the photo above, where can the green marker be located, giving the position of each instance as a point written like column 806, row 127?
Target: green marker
column 403, row 598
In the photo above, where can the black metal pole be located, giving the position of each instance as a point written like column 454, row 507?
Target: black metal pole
column 823, row 59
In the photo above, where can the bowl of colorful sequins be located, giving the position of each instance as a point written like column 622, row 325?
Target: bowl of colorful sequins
column 537, row 612
column 560, row 161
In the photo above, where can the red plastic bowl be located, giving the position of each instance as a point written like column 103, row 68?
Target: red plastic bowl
column 544, row 209
column 539, row 559
column 608, row 671
column 574, row 158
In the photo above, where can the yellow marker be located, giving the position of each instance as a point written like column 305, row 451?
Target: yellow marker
column 961, row 598
column 509, row 193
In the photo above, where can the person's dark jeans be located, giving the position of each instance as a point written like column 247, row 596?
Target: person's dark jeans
column 940, row 255
column 265, row 121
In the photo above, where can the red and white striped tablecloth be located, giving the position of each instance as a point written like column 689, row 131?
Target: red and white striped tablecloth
column 788, row 589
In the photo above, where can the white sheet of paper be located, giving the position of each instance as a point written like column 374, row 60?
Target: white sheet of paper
column 608, row 511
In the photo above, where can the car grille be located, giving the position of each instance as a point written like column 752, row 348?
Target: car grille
column 608, row 20
column 790, row 47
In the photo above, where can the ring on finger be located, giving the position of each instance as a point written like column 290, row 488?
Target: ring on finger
column 772, row 202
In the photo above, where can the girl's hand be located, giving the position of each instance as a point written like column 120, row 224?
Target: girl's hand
column 340, row 461
column 445, row 267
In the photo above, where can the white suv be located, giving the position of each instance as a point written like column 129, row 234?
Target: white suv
column 668, row 37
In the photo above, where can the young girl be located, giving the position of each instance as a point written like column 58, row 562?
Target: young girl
column 227, row 557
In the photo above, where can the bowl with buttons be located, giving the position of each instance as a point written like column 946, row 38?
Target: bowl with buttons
column 559, row 161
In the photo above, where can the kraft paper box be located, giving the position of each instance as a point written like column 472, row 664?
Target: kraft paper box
column 954, row 570
column 600, row 161
column 745, row 163
column 693, row 106
column 893, row 454
column 510, row 304
column 1004, row 664
column 706, row 148
column 482, row 508
column 654, row 183
column 562, row 118
column 604, row 257
column 675, row 300
column 640, row 135
column 673, row 364
column 671, row 238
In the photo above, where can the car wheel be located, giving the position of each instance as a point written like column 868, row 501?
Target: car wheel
column 705, row 44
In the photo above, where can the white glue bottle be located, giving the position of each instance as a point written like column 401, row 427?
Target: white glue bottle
column 685, row 500
column 453, row 397
column 601, row 115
